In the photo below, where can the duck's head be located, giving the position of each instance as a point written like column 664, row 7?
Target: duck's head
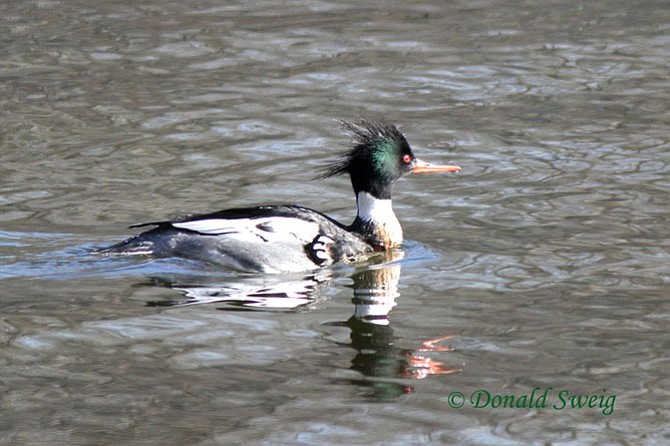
column 380, row 155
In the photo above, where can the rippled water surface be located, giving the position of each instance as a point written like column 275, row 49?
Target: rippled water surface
column 542, row 269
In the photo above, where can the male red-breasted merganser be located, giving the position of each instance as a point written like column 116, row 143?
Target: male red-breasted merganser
column 291, row 238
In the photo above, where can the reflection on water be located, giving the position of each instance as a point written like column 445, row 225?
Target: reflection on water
column 381, row 363
column 250, row 292
column 385, row 368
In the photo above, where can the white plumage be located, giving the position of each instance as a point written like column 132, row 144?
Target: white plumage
column 267, row 229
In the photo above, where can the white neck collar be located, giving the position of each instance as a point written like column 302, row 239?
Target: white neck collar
column 374, row 209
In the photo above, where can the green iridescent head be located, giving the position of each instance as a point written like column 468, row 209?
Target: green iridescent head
column 379, row 156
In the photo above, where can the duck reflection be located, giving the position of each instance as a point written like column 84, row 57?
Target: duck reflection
column 384, row 366
column 280, row 293
column 386, row 369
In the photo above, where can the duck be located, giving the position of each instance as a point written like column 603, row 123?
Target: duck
column 289, row 238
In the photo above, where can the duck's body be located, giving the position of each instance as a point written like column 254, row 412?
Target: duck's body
column 290, row 238
column 271, row 239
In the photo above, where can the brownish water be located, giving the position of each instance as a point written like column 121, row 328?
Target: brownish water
column 544, row 265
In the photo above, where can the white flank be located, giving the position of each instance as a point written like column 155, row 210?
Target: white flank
column 268, row 229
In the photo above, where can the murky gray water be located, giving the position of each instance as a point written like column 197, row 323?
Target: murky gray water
column 545, row 265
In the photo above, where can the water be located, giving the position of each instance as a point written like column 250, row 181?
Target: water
column 543, row 265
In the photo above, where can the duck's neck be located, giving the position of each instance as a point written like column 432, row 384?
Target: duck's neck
column 376, row 222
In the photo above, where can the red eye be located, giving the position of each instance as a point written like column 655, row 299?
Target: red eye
column 407, row 159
